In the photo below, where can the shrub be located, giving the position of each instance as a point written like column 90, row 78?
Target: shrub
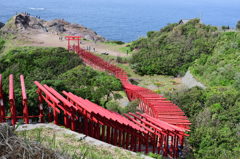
column 173, row 49
column 213, row 113
column 224, row 27
column 116, row 42
column 150, row 33
column 238, row 25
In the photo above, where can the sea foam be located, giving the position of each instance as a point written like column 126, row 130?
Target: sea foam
column 37, row 8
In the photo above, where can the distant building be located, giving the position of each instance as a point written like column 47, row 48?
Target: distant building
column 183, row 21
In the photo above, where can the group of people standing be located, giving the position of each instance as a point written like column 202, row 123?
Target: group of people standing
column 28, row 14
column 60, row 38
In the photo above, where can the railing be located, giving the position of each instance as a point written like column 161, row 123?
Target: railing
column 2, row 108
column 149, row 102
column 12, row 101
column 138, row 133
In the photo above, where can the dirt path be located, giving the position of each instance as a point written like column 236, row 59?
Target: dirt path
column 41, row 38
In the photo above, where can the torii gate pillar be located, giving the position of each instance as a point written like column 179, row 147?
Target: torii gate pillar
column 77, row 38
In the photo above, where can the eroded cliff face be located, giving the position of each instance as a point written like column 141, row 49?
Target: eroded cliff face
column 1, row 25
column 21, row 23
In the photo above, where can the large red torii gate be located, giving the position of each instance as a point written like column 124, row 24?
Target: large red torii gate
column 74, row 38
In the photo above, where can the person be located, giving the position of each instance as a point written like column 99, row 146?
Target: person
column 228, row 27
column 127, row 52
column 94, row 49
column 59, row 38
column 180, row 150
column 16, row 13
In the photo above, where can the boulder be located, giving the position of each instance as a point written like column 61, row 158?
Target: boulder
column 22, row 21
column 100, row 38
column 75, row 25
column 35, row 23
column 89, row 37
column 54, row 25
column 1, row 25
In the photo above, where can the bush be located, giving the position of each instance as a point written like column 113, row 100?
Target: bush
column 149, row 33
column 224, row 27
column 238, row 25
column 173, row 49
column 132, row 107
column 116, row 42
column 214, row 115
column 57, row 68
column 213, row 29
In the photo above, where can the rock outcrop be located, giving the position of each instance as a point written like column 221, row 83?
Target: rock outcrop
column 22, row 22
column 1, row 25
column 189, row 81
column 55, row 25
column 35, row 23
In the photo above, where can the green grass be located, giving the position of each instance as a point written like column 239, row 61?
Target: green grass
column 108, row 43
column 146, row 81
column 124, row 50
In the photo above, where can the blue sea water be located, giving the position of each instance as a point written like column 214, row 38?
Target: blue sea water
column 126, row 20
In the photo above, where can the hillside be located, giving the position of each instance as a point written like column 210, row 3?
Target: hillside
column 23, row 30
column 213, row 58
column 58, row 68
column 171, row 50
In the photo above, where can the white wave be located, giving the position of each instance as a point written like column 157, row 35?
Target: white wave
column 37, row 8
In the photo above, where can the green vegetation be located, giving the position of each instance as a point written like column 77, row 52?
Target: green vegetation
column 92, row 85
column 69, row 146
column 172, row 50
column 114, row 42
column 224, row 27
column 238, row 25
column 213, row 58
column 54, row 67
column 84, row 39
column 222, row 68
column 126, row 48
column 2, row 42
column 131, row 107
column 215, row 117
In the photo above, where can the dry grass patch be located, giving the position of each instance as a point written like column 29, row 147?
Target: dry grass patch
column 70, row 145
column 14, row 147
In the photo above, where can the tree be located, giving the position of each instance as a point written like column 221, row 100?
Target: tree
column 98, row 87
column 224, row 27
column 238, row 25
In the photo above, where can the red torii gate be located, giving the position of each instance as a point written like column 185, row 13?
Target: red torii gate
column 74, row 38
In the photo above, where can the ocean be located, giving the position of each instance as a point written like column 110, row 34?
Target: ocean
column 126, row 20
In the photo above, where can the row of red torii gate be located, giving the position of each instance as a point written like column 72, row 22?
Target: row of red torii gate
column 160, row 129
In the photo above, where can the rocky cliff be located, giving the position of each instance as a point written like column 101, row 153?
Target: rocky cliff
column 22, row 22
column 1, row 25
